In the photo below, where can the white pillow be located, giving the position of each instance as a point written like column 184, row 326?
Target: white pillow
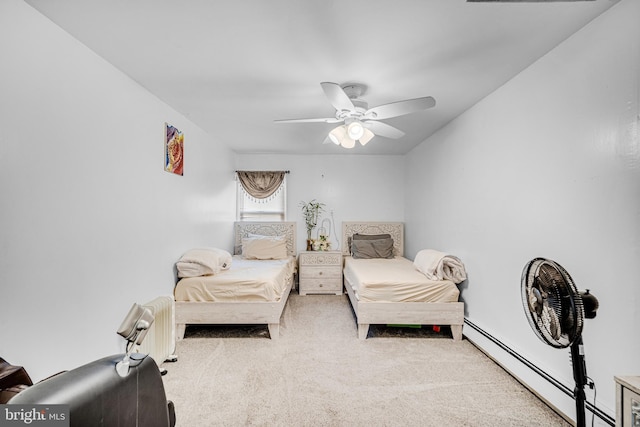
column 427, row 261
column 262, row 236
column 203, row 262
column 238, row 249
column 264, row 247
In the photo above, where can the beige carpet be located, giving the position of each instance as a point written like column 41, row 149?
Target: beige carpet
column 319, row 374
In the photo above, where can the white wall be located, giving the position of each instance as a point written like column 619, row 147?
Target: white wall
column 90, row 222
column 356, row 188
column 548, row 165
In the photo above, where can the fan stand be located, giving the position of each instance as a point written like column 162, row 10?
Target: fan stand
column 580, row 377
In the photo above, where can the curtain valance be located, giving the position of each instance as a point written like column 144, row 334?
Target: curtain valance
column 261, row 185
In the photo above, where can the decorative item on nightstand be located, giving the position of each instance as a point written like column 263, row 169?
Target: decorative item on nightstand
column 320, row 272
column 311, row 211
column 324, row 244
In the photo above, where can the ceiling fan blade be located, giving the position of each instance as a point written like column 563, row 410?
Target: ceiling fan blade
column 323, row 120
column 338, row 98
column 383, row 129
column 400, row 108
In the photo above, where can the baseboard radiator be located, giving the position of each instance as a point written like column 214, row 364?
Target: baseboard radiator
column 568, row 391
column 160, row 342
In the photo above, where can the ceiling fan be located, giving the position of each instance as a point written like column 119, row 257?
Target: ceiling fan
column 361, row 122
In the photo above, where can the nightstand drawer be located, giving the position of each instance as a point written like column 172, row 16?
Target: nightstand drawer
column 321, row 272
column 322, row 286
column 321, row 258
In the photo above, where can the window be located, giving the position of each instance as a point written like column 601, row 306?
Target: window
column 261, row 196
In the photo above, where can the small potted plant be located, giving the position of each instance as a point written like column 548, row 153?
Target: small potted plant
column 311, row 211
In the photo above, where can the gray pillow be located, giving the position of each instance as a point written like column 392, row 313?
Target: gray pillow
column 376, row 248
column 371, row 236
column 357, row 236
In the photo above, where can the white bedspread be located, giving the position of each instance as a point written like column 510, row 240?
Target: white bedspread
column 395, row 280
column 246, row 280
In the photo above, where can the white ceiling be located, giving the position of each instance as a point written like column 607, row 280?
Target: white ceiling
column 235, row 66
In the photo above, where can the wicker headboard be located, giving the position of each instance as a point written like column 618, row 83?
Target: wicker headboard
column 286, row 229
column 395, row 229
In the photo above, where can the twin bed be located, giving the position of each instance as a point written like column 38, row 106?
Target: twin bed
column 383, row 288
column 391, row 290
column 249, row 291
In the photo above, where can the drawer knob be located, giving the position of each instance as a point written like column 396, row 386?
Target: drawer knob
column 320, row 273
column 321, row 285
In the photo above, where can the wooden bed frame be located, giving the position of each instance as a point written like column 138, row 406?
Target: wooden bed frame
column 230, row 313
column 404, row 313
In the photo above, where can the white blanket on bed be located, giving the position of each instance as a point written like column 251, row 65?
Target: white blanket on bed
column 438, row 265
column 395, row 280
column 246, row 280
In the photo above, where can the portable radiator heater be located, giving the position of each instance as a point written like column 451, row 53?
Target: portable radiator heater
column 160, row 342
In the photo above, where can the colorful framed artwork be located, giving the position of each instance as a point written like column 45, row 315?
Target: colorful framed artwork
column 173, row 150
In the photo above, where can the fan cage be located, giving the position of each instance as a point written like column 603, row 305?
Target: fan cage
column 552, row 303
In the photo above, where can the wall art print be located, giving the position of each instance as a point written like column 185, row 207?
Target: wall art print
column 173, row 150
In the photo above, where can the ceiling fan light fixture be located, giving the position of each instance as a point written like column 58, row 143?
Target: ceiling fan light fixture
column 348, row 142
column 338, row 134
column 366, row 137
column 355, row 130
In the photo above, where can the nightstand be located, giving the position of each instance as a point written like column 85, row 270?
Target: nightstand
column 320, row 272
column 627, row 401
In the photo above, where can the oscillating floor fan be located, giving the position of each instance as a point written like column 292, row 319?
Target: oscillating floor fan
column 556, row 311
